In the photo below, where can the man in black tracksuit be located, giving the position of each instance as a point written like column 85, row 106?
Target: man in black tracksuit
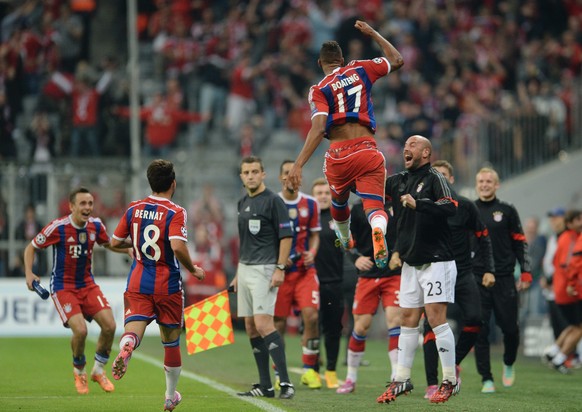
column 509, row 245
column 422, row 202
column 464, row 225
column 329, row 263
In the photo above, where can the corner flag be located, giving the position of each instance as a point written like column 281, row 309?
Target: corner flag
column 208, row 324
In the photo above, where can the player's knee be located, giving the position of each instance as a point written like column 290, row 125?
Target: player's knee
column 108, row 327
column 264, row 331
column 265, row 328
column 361, row 328
column 80, row 332
column 311, row 318
column 372, row 204
column 394, row 319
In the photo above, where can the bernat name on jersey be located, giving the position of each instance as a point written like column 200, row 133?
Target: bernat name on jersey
column 149, row 214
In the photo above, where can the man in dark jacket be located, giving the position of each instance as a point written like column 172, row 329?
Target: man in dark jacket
column 422, row 202
column 509, row 246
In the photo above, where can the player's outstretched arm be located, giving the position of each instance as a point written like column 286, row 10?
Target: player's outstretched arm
column 391, row 53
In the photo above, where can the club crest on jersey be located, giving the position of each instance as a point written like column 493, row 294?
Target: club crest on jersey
column 92, row 237
column 292, row 213
column 254, row 226
column 40, row 239
column 498, row 216
column 303, row 212
column 419, row 187
column 82, row 237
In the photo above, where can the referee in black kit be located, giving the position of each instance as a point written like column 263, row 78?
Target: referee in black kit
column 329, row 263
column 265, row 242
column 509, row 245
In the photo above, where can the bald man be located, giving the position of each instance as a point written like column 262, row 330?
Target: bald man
column 422, row 202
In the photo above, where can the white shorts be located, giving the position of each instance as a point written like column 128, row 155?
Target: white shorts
column 429, row 283
column 254, row 295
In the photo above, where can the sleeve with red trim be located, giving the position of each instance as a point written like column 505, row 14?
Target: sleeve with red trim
column 518, row 243
column 482, row 235
column 445, row 203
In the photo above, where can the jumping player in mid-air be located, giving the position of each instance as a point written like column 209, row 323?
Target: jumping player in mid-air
column 342, row 111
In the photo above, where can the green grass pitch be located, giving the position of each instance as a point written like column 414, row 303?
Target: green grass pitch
column 36, row 375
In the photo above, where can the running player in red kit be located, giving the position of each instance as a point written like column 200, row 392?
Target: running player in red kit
column 156, row 227
column 342, row 111
column 301, row 286
column 74, row 292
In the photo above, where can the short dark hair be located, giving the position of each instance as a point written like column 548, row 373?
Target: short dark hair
column 283, row 163
column 571, row 215
column 445, row 164
column 251, row 159
column 331, row 52
column 73, row 193
column 161, row 175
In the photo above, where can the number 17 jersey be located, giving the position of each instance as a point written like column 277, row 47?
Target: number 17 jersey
column 151, row 224
column 345, row 95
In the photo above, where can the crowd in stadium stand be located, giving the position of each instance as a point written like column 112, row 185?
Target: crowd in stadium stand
column 252, row 62
column 241, row 69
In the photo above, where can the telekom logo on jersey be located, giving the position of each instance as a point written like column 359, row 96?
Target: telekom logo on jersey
column 345, row 82
column 75, row 251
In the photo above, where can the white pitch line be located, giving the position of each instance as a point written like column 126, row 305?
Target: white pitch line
column 265, row 406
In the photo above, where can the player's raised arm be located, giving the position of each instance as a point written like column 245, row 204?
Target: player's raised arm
column 393, row 55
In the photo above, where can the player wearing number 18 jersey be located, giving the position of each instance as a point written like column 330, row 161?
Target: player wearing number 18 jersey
column 342, row 111
column 154, row 270
column 156, row 229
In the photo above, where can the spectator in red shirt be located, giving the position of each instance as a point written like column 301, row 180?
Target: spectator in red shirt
column 85, row 107
column 240, row 103
column 162, row 119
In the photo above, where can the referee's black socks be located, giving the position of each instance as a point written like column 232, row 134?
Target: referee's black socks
column 276, row 348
